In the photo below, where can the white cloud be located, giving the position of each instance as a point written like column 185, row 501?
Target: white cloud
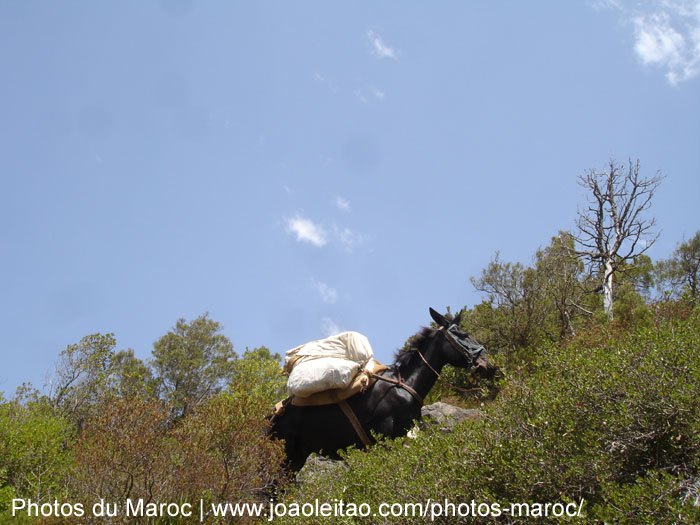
column 360, row 96
column 342, row 204
column 659, row 44
column 600, row 5
column 348, row 238
column 666, row 34
column 379, row 47
column 329, row 295
column 367, row 92
column 378, row 93
column 306, row 231
column 329, row 327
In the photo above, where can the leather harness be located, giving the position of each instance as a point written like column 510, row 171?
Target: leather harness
column 399, row 382
column 350, row 413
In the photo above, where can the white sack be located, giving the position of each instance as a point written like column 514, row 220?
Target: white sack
column 321, row 374
column 327, row 363
column 346, row 345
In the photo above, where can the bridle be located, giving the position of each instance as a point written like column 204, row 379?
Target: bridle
column 472, row 355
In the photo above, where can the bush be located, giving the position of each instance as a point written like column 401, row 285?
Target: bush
column 124, row 452
column 34, row 462
column 224, row 453
column 218, row 451
column 656, row 498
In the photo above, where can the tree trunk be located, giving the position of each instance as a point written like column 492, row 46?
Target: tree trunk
column 608, row 289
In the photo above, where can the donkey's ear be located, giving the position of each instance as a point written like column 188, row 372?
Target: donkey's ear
column 439, row 319
column 458, row 318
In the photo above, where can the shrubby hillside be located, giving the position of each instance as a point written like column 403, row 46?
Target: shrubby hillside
column 595, row 406
column 610, row 417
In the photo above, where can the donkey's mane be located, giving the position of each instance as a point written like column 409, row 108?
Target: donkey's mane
column 404, row 356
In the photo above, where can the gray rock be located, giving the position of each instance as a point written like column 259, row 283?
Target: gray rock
column 690, row 489
column 316, row 466
column 446, row 416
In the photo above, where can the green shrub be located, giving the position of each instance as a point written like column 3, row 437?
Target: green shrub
column 656, row 498
column 34, row 456
column 218, row 452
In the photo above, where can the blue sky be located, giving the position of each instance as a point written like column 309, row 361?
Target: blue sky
column 296, row 168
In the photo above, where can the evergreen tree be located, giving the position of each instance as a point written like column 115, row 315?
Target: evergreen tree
column 192, row 362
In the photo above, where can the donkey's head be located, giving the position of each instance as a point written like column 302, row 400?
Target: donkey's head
column 460, row 349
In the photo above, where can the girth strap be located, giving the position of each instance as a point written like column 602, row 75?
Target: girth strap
column 355, row 422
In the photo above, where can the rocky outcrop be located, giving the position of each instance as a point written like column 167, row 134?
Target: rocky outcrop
column 316, row 466
column 690, row 490
column 446, row 416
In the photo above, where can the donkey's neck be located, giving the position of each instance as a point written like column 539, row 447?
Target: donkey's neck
column 418, row 375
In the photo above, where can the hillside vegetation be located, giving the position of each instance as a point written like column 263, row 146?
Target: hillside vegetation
column 606, row 420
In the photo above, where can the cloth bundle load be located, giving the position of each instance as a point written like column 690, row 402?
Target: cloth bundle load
column 327, row 364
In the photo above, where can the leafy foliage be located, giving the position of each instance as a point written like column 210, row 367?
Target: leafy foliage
column 82, row 376
column 518, row 294
column 656, row 498
column 224, row 452
column 680, row 274
column 124, row 452
column 35, row 455
column 192, row 362
column 131, row 377
column 218, row 451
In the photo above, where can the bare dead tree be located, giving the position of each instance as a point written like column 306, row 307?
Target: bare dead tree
column 612, row 229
